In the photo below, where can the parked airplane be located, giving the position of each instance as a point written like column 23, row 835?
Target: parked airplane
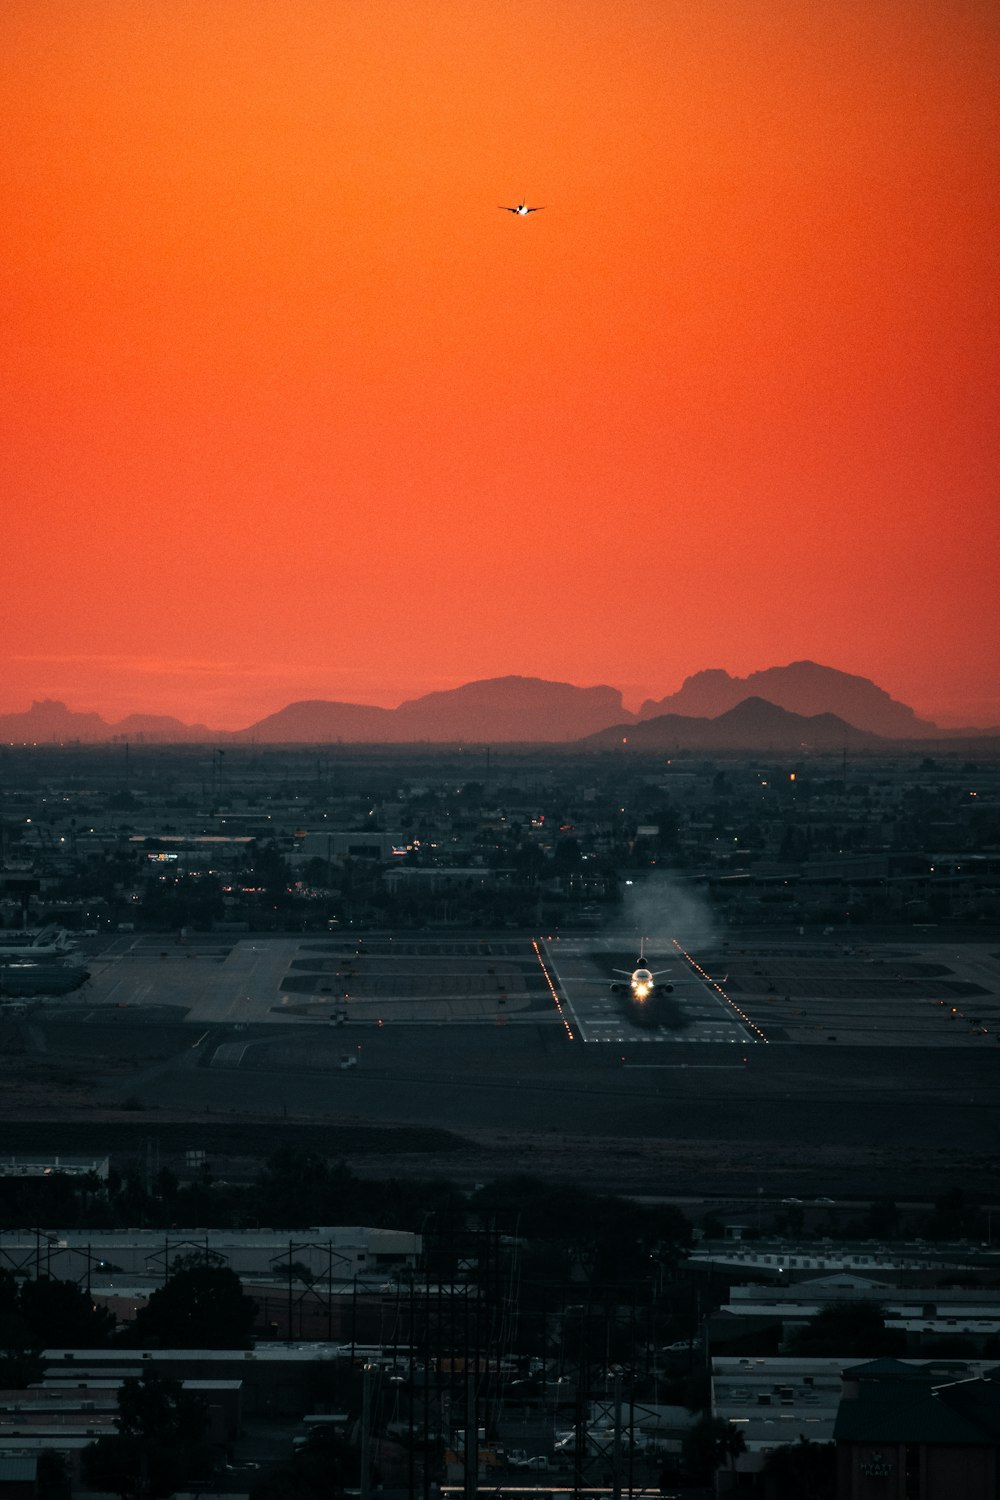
column 22, row 976
column 36, row 943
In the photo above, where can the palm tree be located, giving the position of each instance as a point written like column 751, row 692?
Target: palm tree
column 712, row 1442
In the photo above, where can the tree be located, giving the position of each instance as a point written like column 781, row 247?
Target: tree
column 854, row 1330
column 52, row 1477
column 270, row 869
column 955, row 1217
column 567, row 856
column 20, row 1365
column 322, row 1468
column 710, row 1443
column 159, row 1444
column 8, row 1295
column 882, row 1219
column 42, row 1313
column 316, row 871
column 61, row 1314
column 20, row 1355
column 91, row 1186
column 292, row 1189
column 200, row 1306
column 296, row 1270
column 802, row 1471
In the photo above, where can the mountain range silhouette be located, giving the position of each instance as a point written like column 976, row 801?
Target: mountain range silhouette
column 802, row 704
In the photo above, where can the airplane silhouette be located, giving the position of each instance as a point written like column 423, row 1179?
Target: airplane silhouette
column 521, row 209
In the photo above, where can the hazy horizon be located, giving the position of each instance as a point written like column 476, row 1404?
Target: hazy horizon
column 116, row 704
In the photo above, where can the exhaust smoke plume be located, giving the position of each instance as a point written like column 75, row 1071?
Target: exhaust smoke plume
column 662, row 908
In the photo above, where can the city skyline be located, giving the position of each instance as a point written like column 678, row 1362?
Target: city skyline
column 292, row 410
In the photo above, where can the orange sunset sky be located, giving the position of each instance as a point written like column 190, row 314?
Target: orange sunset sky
column 290, row 409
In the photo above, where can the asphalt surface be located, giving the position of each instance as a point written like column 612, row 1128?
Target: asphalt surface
column 812, row 1065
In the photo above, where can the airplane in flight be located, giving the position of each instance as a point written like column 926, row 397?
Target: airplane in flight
column 521, row 209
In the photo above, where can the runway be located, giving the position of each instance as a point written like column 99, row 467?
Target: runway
column 516, row 1040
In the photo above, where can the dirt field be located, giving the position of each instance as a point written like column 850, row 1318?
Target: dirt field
column 856, row 1123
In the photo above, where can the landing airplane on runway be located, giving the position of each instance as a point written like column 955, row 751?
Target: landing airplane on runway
column 642, row 979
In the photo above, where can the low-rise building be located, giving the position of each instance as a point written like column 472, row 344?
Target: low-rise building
column 341, row 1253
column 924, row 1432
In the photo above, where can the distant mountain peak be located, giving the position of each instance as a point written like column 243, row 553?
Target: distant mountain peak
column 498, row 689
column 752, row 724
column 511, row 709
column 489, row 710
column 802, row 687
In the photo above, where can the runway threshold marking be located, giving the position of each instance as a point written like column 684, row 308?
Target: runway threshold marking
column 555, row 994
column 688, row 1067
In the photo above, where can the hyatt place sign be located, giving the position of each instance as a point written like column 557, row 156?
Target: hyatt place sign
column 876, row 1467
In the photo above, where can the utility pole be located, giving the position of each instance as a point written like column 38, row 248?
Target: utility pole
column 366, row 1435
column 616, row 1452
column 471, row 1485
